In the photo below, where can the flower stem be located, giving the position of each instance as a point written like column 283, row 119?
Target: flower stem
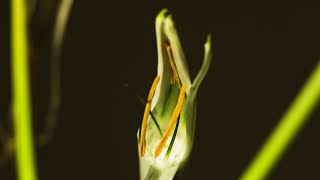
column 21, row 94
column 285, row 132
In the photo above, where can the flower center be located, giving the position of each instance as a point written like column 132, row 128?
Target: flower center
column 174, row 120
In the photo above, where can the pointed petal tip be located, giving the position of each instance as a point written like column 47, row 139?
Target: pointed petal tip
column 205, row 64
column 169, row 24
column 208, row 50
column 163, row 11
column 165, row 17
column 161, row 15
column 207, row 44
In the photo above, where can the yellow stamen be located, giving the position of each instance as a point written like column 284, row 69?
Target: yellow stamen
column 173, row 67
column 146, row 115
column 172, row 122
column 143, row 148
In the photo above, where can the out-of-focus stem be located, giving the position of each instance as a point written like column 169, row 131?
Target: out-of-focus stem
column 21, row 93
column 55, row 72
column 285, row 132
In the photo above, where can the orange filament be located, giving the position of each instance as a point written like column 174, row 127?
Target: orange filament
column 143, row 148
column 175, row 75
column 146, row 115
column 172, row 122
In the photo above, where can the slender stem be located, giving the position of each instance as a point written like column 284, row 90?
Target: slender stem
column 143, row 102
column 156, row 123
column 55, row 72
column 21, row 93
column 173, row 138
column 285, row 132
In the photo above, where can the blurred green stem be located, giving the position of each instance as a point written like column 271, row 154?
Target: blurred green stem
column 21, row 93
column 285, row 132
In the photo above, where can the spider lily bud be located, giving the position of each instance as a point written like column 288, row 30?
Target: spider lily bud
column 167, row 131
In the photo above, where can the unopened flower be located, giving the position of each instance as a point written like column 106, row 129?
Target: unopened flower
column 167, row 132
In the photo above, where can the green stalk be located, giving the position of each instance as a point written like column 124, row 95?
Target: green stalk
column 285, row 132
column 21, row 94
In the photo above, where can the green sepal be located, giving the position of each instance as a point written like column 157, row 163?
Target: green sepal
column 189, row 111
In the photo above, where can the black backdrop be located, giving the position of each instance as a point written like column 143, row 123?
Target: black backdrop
column 262, row 55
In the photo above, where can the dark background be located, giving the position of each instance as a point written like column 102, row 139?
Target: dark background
column 262, row 55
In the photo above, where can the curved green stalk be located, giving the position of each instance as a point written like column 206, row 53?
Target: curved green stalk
column 21, row 93
column 285, row 132
column 61, row 21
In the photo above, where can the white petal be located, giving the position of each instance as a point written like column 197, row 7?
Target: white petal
column 164, row 71
column 177, row 51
